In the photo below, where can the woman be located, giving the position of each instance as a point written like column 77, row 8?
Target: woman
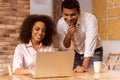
column 36, row 35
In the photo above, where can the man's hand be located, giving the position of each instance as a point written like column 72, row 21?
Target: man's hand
column 80, row 69
column 71, row 30
column 67, row 40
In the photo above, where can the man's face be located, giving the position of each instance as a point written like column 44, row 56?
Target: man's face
column 70, row 15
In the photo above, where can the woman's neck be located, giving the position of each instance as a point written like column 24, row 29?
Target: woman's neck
column 36, row 45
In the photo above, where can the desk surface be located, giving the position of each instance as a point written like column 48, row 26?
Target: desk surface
column 90, row 75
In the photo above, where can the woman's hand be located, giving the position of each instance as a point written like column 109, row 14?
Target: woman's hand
column 32, row 71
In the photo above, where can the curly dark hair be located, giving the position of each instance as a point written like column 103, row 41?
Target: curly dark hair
column 28, row 23
column 70, row 4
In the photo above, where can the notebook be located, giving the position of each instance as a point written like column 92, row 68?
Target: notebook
column 54, row 64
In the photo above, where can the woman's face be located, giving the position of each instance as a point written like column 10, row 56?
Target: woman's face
column 38, row 31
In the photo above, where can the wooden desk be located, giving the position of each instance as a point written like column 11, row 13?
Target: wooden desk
column 90, row 75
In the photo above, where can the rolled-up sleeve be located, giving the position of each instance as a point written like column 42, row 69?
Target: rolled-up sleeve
column 17, row 59
column 91, row 36
column 61, row 36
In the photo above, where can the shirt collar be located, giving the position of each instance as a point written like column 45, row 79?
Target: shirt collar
column 78, row 21
column 30, row 44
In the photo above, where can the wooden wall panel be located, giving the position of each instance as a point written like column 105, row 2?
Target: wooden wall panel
column 108, row 15
column 56, row 14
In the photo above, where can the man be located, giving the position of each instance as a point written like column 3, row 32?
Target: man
column 82, row 29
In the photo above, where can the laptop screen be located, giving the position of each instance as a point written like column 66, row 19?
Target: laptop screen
column 54, row 64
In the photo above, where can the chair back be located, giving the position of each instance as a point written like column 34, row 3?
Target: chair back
column 113, row 61
column 10, row 69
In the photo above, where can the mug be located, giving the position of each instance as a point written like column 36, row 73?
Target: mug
column 99, row 66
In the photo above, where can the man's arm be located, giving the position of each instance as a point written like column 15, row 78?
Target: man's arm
column 84, row 66
column 90, row 43
column 86, row 62
column 67, row 40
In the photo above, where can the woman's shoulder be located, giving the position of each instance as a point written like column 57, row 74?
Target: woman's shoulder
column 47, row 48
column 21, row 45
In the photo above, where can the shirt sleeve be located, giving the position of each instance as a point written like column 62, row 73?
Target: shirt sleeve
column 91, row 36
column 17, row 59
column 61, row 36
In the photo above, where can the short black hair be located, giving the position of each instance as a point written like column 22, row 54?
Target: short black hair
column 28, row 23
column 70, row 4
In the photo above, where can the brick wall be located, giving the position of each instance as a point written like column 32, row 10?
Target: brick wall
column 12, row 13
column 108, row 15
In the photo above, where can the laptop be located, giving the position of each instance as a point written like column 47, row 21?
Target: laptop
column 54, row 64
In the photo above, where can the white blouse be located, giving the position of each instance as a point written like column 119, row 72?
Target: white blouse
column 25, row 55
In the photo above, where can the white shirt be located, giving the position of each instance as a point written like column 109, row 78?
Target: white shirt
column 25, row 55
column 86, row 38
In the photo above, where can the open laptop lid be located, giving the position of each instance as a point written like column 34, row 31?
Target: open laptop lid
column 54, row 64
